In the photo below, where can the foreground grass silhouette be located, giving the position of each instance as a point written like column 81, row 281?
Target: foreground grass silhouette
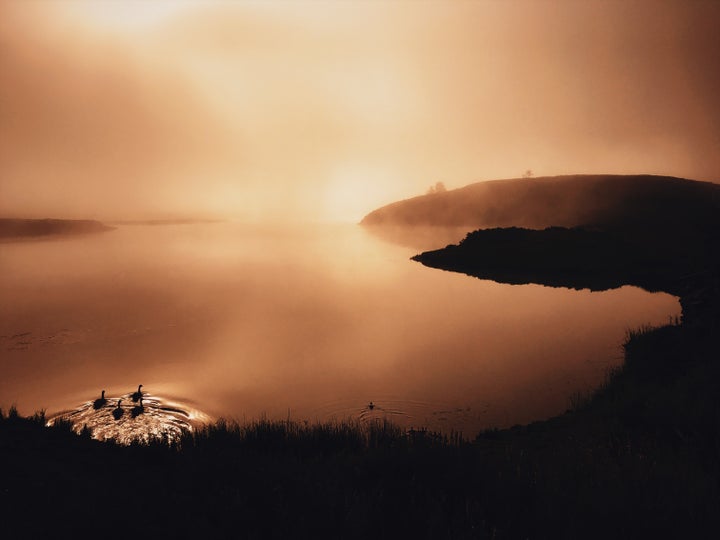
column 639, row 458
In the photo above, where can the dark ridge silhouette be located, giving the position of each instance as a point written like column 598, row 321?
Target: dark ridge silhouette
column 100, row 402
column 617, row 201
column 589, row 231
column 137, row 409
column 118, row 411
column 580, row 257
column 137, row 395
column 683, row 264
column 23, row 228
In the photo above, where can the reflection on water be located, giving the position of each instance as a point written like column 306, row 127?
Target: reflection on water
column 309, row 322
column 407, row 412
column 124, row 420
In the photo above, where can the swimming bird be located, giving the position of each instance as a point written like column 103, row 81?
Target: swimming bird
column 137, row 409
column 137, row 395
column 371, row 406
column 100, row 402
column 118, row 411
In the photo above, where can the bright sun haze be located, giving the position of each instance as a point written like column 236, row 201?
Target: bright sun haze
column 323, row 111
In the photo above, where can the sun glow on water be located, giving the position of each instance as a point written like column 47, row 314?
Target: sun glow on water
column 129, row 421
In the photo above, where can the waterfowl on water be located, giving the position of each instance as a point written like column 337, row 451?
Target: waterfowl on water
column 137, row 395
column 100, row 402
column 137, row 409
column 371, row 405
column 117, row 411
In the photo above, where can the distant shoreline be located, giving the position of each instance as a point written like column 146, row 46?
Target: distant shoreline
column 24, row 228
column 187, row 221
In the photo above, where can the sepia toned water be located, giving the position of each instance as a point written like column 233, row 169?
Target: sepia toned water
column 308, row 322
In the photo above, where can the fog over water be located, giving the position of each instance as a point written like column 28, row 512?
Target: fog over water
column 313, row 321
column 272, row 115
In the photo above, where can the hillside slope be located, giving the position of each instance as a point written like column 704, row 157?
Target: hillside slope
column 564, row 201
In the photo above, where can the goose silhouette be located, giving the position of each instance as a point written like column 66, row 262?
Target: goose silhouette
column 100, row 402
column 137, row 395
column 137, row 409
column 118, row 411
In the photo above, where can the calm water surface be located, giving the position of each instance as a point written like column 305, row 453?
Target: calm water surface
column 313, row 322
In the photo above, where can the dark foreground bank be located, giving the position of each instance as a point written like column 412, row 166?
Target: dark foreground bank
column 639, row 459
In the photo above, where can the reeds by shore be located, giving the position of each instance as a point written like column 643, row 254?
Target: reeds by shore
column 639, row 458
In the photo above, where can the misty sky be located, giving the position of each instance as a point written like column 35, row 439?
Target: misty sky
column 325, row 111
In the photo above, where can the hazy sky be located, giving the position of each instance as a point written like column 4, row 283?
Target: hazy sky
column 327, row 110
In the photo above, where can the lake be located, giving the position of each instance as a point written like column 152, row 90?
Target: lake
column 311, row 322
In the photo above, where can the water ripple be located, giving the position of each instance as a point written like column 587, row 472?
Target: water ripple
column 156, row 419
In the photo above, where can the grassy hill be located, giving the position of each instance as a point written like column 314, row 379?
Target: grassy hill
column 564, row 201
